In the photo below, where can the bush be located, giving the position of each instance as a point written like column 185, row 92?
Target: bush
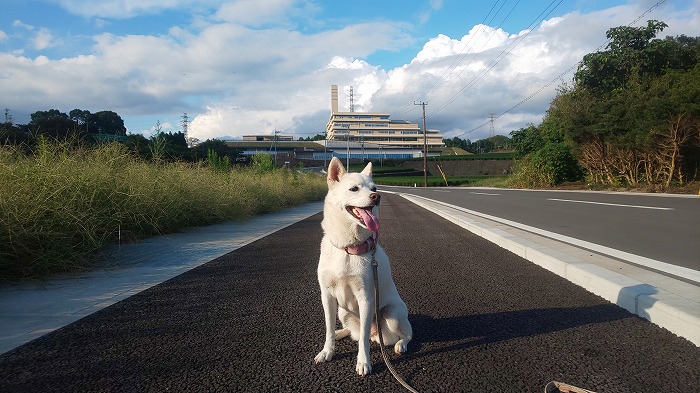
column 216, row 163
column 263, row 162
column 549, row 166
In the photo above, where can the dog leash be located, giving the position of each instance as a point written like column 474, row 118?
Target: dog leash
column 379, row 325
column 552, row 387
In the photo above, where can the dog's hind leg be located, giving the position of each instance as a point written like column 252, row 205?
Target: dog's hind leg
column 344, row 332
column 396, row 320
column 351, row 325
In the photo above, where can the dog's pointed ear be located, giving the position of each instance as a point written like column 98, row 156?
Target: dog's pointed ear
column 368, row 169
column 336, row 171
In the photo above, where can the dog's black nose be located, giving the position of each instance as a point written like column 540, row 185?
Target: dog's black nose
column 375, row 197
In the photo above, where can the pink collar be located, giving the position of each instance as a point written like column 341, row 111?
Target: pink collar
column 364, row 247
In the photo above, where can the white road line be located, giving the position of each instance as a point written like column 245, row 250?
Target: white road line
column 611, row 204
column 483, row 193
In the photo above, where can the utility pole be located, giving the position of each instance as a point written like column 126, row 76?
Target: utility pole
column 274, row 143
column 425, row 146
column 347, row 152
column 325, row 148
column 492, row 132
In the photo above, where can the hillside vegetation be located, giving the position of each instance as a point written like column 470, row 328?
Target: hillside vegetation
column 631, row 118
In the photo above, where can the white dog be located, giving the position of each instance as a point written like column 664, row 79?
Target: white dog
column 350, row 226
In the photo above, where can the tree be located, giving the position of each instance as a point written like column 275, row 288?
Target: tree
column 317, row 137
column 138, row 144
column 527, row 140
column 608, row 70
column 81, row 117
column 201, row 151
column 52, row 123
column 458, row 142
column 500, row 141
column 165, row 145
column 108, row 122
column 633, row 112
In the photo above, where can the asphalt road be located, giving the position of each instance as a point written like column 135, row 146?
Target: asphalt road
column 484, row 321
column 655, row 226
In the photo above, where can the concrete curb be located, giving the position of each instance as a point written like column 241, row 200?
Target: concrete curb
column 678, row 314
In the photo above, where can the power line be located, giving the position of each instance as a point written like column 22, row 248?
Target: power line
column 500, row 56
column 560, row 76
column 457, row 59
column 544, row 14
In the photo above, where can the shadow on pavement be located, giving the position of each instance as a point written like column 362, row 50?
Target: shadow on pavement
column 472, row 330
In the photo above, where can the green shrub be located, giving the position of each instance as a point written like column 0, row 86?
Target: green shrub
column 551, row 165
column 217, row 163
column 263, row 162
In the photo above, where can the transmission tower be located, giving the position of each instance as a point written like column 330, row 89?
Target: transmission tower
column 492, row 117
column 352, row 99
column 185, row 123
column 8, row 116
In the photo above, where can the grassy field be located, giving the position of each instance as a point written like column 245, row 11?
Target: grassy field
column 61, row 205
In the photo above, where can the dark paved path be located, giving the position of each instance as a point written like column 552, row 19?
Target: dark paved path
column 484, row 321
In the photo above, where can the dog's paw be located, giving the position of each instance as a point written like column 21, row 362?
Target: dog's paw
column 401, row 346
column 323, row 356
column 342, row 333
column 363, row 368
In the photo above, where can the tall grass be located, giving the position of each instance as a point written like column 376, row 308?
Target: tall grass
column 60, row 204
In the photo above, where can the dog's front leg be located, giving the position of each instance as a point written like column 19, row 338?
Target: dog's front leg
column 330, row 310
column 366, row 304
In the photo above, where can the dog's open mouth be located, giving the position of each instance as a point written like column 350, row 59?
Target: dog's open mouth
column 365, row 216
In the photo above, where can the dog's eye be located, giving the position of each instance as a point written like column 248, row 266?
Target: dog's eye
column 355, row 188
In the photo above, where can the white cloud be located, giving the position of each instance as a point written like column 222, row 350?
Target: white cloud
column 100, row 23
column 489, row 70
column 3, row 35
column 255, row 12
column 435, row 5
column 19, row 23
column 236, row 75
column 479, row 39
column 121, row 9
column 43, row 39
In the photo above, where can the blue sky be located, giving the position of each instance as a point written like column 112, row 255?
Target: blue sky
column 254, row 66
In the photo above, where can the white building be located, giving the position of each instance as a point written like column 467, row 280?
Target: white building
column 376, row 131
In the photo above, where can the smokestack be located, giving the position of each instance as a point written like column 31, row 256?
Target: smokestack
column 334, row 99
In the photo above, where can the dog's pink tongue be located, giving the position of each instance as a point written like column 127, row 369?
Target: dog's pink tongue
column 369, row 219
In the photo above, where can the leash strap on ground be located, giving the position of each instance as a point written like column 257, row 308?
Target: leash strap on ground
column 379, row 326
column 555, row 386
